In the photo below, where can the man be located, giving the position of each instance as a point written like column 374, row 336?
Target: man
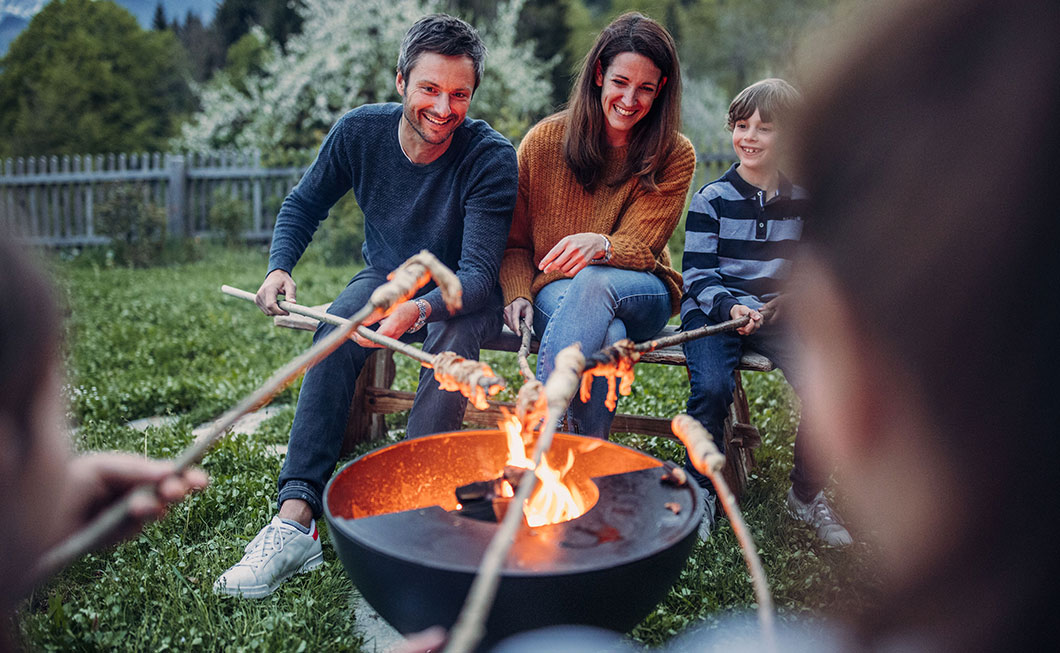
column 426, row 177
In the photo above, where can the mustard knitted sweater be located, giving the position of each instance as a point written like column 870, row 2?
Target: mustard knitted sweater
column 552, row 204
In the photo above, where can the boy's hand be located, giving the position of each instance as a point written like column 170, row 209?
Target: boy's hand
column 738, row 311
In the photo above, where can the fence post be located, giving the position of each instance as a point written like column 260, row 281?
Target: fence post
column 175, row 196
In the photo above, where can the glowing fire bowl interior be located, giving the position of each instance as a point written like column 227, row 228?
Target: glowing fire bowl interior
column 413, row 560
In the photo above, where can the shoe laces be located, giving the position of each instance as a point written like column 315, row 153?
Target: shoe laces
column 822, row 514
column 271, row 540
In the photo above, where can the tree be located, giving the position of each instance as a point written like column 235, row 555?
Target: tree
column 159, row 22
column 84, row 77
column 346, row 56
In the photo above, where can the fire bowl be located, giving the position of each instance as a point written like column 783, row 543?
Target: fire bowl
column 393, row 518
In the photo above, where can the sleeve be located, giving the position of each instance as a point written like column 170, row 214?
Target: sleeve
column 492, row 186
column 651, row 217
column 702, row 276
column 517, row 266
column 326, row 180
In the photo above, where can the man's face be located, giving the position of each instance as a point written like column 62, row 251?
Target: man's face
column 437, row 95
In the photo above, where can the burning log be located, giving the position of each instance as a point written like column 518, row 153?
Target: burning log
column 403, row 283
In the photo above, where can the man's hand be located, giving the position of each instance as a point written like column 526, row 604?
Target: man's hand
column 738, row 311
column 278, row 282
column 396, row 324
column 572, row 253
column 98, row 480
column 518, row 312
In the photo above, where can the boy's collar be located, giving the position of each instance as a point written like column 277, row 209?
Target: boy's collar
column 749, row 190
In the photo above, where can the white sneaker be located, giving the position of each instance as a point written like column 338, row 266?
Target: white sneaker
column 276, row 553
column 819, row 514
column 710, row 501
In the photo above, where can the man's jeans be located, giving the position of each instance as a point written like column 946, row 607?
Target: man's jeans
column 711, row 362
column 598, row 307
column 324, row 401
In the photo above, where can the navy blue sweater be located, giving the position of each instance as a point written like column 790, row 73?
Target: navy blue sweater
column 738, row 247
column 458, row 207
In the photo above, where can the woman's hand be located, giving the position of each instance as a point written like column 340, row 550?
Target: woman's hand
column 519, row 311
column 738, row 311
column 572, row 253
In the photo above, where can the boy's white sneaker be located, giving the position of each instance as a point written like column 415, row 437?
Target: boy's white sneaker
column 819, row 514
column 706, row 527
column 276, row 553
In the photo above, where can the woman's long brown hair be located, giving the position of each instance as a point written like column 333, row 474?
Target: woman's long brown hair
column 653, row 137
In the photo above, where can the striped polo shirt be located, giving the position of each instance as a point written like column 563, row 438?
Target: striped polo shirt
column 738, row 244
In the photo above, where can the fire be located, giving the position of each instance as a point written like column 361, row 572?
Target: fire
column 554, row 500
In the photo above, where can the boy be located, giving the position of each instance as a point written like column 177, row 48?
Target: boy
column 741, row 233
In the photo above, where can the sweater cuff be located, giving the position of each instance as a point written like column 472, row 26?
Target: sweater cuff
column 722, row 307
column 516, row 276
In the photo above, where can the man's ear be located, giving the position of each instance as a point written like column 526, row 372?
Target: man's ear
column 399, row 82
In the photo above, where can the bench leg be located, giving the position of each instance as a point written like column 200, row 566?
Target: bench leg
column 741, row 438
column 364, row 423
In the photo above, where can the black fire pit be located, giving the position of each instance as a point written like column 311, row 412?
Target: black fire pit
column 394, row 521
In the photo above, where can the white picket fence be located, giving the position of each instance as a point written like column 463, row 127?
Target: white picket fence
column 54, row 200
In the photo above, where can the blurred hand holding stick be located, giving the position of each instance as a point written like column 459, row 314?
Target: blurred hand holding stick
column 403, row 283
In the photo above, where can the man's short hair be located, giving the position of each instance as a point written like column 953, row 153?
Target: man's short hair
column 773, row 98
column 442, row 34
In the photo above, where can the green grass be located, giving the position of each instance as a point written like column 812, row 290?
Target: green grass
column 165, row 341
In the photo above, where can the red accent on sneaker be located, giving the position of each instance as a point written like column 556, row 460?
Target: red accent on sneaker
column 315, row 531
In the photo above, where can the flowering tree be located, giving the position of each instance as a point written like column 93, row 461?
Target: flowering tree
column 345, row 56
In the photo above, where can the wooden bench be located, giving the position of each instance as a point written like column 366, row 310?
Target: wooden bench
column 374, row 398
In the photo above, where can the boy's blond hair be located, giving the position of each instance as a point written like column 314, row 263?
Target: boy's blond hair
column 773, row 98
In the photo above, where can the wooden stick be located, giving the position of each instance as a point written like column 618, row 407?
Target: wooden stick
column 470, row 626
column 607, row 355
column 709, row 461
column 490, row 385
column 524, row 351
column 404, row 283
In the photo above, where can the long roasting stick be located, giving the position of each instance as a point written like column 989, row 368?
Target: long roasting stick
column 470, row 626
column 708, row 460
column 412, row 275
column 608, row 355
column 490, row 384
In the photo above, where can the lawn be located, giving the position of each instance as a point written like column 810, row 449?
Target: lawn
column 165, row 341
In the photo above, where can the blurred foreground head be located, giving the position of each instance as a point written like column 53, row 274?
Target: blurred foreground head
column 33, row 440
column 930, row 305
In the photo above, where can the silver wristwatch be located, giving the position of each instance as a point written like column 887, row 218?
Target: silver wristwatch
column 422, row 319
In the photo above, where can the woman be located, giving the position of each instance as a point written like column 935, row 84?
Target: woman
column 601, row 188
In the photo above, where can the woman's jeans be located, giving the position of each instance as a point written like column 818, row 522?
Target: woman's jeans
column 597, row 307
column 711, row 362
column 324, row 401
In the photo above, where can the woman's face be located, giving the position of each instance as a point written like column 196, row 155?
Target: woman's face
column 628, row 88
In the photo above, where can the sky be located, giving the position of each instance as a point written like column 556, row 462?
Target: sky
column 15, row 14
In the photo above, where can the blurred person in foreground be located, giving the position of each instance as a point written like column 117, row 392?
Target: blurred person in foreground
column 46, row 492
column 929, row 306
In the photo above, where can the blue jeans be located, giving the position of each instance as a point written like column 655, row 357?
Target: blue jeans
column 597, row 307
column 711, row 362
column 324, row 401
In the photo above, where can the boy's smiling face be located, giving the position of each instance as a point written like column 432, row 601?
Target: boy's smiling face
column 755, row 142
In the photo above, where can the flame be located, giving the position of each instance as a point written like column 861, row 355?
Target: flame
column 554, row 500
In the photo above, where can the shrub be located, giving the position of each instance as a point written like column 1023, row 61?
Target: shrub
column 136, row 227
column 340, row 236
column 228, row 216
